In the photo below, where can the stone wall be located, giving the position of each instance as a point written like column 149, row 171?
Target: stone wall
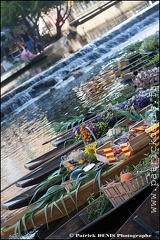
column 110, row 18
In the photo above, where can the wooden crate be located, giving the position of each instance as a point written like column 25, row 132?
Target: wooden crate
column 122, row 63
column 117, row 191
column 125, row 123
column 68, row 184
column 143, row 110
column 99, row 151
column 128, row 121
column 140, row 142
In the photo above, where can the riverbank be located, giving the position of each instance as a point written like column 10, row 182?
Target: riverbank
column 88, row 30
column 58, row 48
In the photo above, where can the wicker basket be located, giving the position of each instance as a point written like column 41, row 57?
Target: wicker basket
column 117, row 191
column 68, row 184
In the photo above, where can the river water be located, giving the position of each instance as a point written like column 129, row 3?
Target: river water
column 60, row 93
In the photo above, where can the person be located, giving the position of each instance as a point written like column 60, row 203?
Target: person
column 39, row 46
column 27, row 40
column 26, row 54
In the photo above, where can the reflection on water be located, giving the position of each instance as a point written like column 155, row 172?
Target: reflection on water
column 34, row 70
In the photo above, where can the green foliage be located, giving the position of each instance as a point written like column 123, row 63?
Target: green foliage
column 64, row 126
column 144, row 164
column 13, row 12
column 58, row 175
column 155, row 59
column 149, row 45
column 134, row 47
column 98, row 206
column 135, row 115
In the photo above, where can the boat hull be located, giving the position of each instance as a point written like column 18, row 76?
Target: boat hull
column 83, row 194
column 105, row 224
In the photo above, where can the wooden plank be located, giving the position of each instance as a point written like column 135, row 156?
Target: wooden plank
column 144, row 211
column 79, row 225
column 84, row 192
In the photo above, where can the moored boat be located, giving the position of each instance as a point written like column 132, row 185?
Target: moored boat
column 84, row 192
column 106, row 224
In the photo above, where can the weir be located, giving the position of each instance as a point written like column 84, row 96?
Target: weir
column 92, row 55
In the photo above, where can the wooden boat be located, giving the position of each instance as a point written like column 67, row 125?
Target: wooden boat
column 61, row 139
column 84, row 192
column 45, row 169
column 60, row 148
column 80, row 224
column 24, row 198
column 39, row 174
column 59, row 143
column 145, row 220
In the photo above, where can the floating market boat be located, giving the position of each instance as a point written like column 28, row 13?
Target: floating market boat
column 68, row 205
column 144, row 221
column 80, row 223
column 43, row 171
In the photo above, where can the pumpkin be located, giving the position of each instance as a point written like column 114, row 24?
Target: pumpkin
column 126, row 176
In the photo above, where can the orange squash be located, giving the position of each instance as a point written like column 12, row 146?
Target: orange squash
column 126, row 176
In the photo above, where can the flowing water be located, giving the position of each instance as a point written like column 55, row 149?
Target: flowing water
column 60, row 93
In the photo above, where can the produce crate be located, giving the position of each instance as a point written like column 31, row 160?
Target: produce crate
column 143, row 110
column 105, row 153
column 117, row 191
column 140, row 141
column 68, row 184
column 122, row 63
column 74, row 159
column 125, row 123
column 130, row 122
column 153, row 132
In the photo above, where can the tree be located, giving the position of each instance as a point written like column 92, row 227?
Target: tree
column 14, row 12
column 29, row 13
column 63, row 9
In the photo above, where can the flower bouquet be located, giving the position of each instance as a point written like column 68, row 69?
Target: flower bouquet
column 105, row 120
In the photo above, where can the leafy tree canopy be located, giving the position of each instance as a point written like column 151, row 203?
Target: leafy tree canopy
column 14, row 11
